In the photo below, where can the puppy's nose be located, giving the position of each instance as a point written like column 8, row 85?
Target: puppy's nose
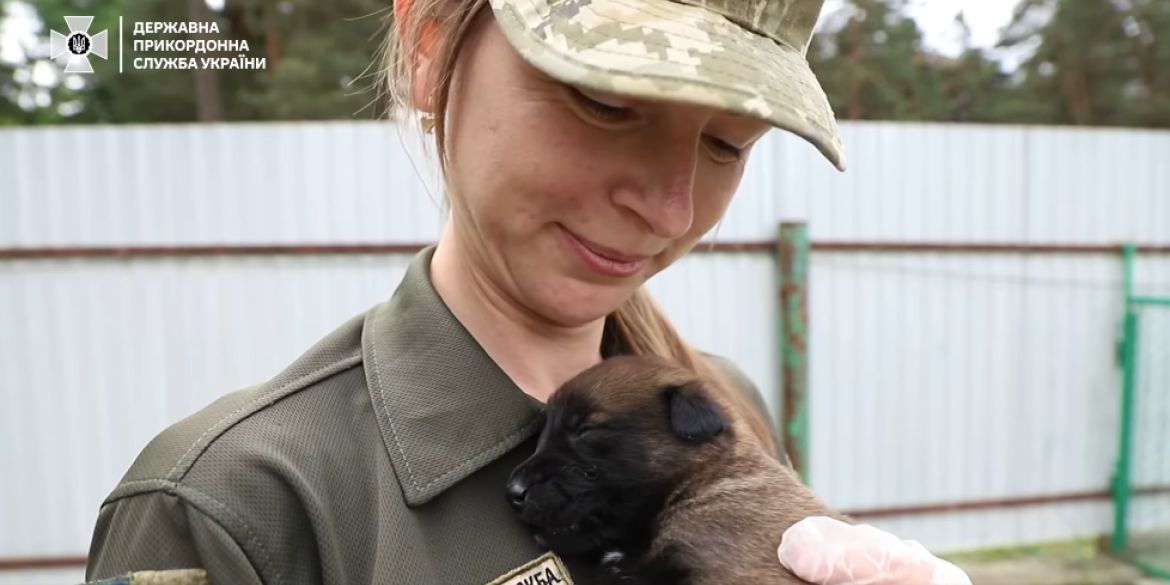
column 517, row 490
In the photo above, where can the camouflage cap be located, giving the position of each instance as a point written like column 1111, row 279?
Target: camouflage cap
column 744, row 56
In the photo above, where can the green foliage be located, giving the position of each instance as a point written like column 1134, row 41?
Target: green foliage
column 1092, row 63
column 321, row 56
column 872, row 66
column 1095, row 63
column 1101, row 62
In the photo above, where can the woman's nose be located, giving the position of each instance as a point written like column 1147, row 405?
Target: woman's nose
column 663, row 194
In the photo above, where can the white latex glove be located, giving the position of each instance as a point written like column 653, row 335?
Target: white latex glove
column 824, row 551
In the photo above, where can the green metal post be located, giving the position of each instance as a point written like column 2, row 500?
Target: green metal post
column 1129, row 352
column 793, row 249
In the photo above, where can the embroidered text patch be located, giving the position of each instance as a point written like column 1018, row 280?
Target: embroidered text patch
column 546, row 569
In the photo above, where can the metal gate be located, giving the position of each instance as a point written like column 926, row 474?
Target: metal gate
column 1141, row 484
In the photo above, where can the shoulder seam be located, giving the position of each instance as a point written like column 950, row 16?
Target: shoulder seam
column 201, row 502
column 231, row 418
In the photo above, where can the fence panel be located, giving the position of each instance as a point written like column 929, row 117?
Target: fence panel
column 963, row 399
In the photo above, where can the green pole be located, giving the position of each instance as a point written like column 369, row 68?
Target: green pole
column 793, row 258
column 1129, row 352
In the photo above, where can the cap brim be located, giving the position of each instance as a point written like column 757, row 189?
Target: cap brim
column 659, row 49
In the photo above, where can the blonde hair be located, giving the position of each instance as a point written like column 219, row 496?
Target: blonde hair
column 640, row 323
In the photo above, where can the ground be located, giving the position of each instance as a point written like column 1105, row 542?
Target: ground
column 1077, row 563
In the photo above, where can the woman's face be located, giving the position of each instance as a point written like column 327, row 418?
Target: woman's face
column 568, row 200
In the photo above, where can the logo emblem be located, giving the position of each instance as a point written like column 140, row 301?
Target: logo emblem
column 79, row 45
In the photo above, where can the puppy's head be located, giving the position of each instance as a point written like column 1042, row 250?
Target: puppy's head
column 617, row 440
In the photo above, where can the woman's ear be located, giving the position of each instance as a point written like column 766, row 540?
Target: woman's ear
column 420, row 56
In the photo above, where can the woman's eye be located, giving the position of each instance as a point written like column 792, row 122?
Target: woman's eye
column 606, row 112
column 724, row 151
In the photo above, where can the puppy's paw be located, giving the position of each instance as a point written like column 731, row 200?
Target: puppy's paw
column 611, row 564
column 612, row 558
column 614, row 570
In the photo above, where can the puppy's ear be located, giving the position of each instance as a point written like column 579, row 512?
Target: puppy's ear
column 693, row 415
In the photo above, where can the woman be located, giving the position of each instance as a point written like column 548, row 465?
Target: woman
column 586, row 146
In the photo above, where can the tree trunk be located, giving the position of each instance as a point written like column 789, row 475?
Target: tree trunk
column 207, row 93
column 854, row 109
column 272, row 47
column 1072, row 80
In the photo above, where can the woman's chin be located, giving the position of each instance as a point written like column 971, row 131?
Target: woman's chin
column 574, row 303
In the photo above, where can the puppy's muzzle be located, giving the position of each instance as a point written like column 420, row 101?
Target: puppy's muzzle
column 517, row 491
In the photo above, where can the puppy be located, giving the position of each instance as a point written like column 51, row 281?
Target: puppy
column 642, row 467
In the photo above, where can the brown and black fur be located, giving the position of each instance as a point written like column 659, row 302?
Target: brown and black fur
column 642, row 468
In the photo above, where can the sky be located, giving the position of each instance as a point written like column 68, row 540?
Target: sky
column 985, row 18
column 935, row 18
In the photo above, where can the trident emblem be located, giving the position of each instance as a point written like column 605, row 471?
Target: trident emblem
column 78, row 45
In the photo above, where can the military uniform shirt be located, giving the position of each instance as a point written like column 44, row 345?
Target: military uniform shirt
column 379, row 456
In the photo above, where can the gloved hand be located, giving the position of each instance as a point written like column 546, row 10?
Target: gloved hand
column 824, row 551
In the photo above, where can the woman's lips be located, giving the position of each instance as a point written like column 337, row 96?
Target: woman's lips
column 604, row 260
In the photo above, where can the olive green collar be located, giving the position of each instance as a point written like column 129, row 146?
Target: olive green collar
column 445, row 409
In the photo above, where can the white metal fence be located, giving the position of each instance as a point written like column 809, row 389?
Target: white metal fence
column 936, row 377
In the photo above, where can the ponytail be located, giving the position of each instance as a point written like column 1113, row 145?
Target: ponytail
column 645, row 330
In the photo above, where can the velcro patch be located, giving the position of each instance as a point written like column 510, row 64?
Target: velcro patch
column 168, row 577
column 547, row 569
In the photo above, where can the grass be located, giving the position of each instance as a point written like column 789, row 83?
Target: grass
column 1083, row 561
column 1078, row 549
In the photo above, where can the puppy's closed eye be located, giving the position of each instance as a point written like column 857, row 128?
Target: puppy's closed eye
column 581, row 430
